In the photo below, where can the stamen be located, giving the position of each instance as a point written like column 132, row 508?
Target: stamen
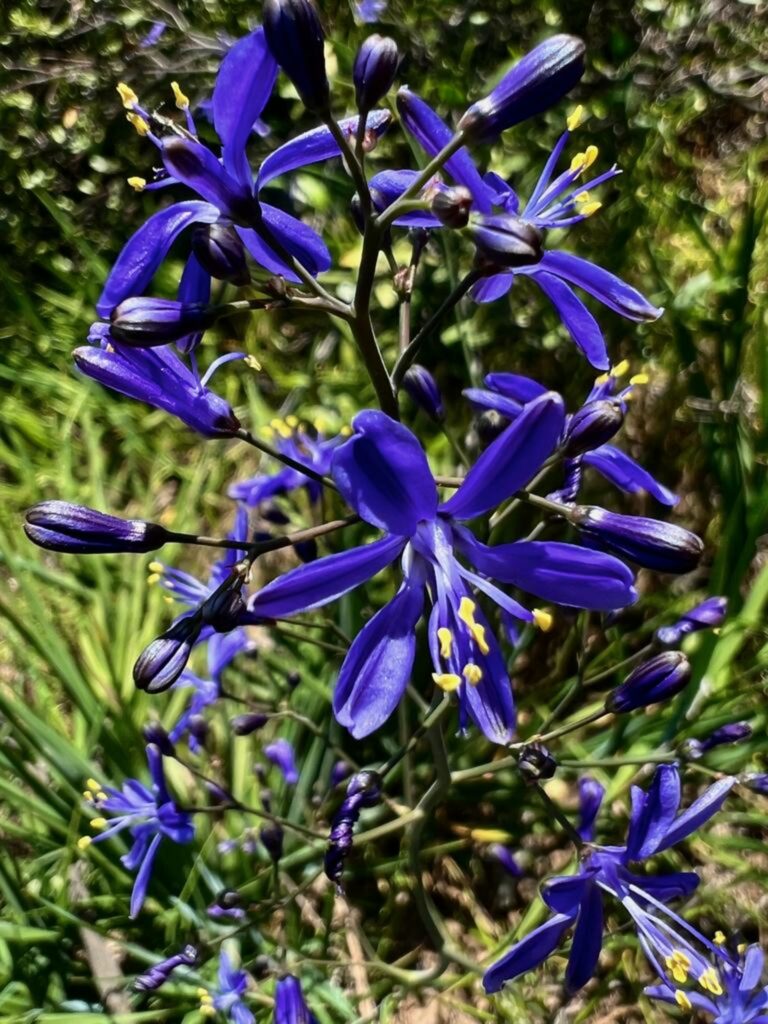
column 182, row 101
column 156, row 567
column 586, row 206
column 153, row 578
column 138, row 123
column 719, row 938
column 292, row 421
column 447, row 681
column 576, row 118
column 602, row 379
column 682, row 1000
column 472, row 673
column 139, row 184
column 93, row 785
column 445, row 637
column 127, row 95
column 84, row 842
column 640, row 378
column 98, row 823
column 590, row 155
column 679, row 964
column 543, row 619
column 467, row 615
column 346, row 431
column 620, row 369
column 280, row 427
column 710, row 982
column 741, row 949
column 490, row 835
column 253, row 362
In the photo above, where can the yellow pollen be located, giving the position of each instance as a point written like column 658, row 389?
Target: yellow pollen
column 206, row 999
column 489, row 835
column 98, row 823
column 678, row 964
column 87, row 795
column 138, row 184
column 292, row 421
column 710, row 982
column 576, row 118
column 588, row 207
column 581, row 197
column 207, row 1010
column 719, row 938
column 447, row 681
column 346, row 431
column 138, row 123
column 182, row 101
column 201, row 992
column 741, row 949
column 84, row 842
column 472, row 673
column 93, row 784
column 101, row 795
column 467, row 611
column 682, row 1000
column 280, row 427
column 577, row 163
column 153, row 578
column 590, row 155
column 543, row 619
column 603, row 378
column 445, row 637
column 156, row 567
column 127, row 95
column 640, row 378
column 620, row 369
column 253, row 362
column 268, row 432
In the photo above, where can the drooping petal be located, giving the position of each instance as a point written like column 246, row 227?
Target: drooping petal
column 652, row 818
column 577, row 319
column 619, row 296
column 140, row 886
column 193, row 164
column 587, row 940
column 708, row 804
column 383, row 473
column 622, row 470
column 516, row 386
column 243, row 86
column 143, row 253
column 378, row 666
column 489, row 289
column 194, row 288
column 530, row 952
column 297, row 237
column 317, row 583
column 677, row 885
column 512, row 460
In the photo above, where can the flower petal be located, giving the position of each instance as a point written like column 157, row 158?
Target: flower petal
column 143, row 253
column 587, row 940
column 677, row 885
column 753, row 968
column 697, row 814
column 622, row 470
column 490, row 703
column 317, row 583
column 653, row 813
column 489, row 289
column 577, row 319
column 565, row 894
column 383, row 473
column 298, row 238
column 194, row 289
column 482, row 399
column 378, row 666
column 511, row 461
column 619, row 296
column 516, row 386
column 530, row 952
column 140, row 886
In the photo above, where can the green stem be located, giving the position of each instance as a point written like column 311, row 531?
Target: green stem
column 268, row 449
column 394, row 210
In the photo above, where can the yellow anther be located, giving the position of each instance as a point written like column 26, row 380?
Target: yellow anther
column 201, row 992
column 719, row 938
column 292, row 421
column 447, row 681
column 206, row 999
column 280, row 427
column 710, row 982
column 639, row 378
column 138, row 122
column 620, row 369
column 581, row 197
column 603, row 378
column 153, row 578
column 84, row 842
column 253, row 362
column 101, row 795
column 590, row 155
column 489, row 835
column 93, row 784
column 138, row 184
column 182, row 101
column 472, row 673
column 127, row 95
column 87, row 795
column 268, row 432
column 586, row 206
column 445, row 637
column 678, row 964
column 346, row 431
column 98, row 823
column 682, row 1000
column 741, row 949
column 467, row 611
column 156, row 567
column 575, row 119
column 543, row 619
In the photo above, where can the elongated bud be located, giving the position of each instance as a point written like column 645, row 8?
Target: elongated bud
column 363, row 790
column 756, row 781
column 707, row 615
column 534, row 84
column 154, row 733
column 273, row 838
column 374, row 70
column 295, row 37
column 223, row 611
column 505, row 240
column 735, row 732
column 161, row 662
column 649, row 542
column 62, row 526
column 591, row 794
column 593, row 425
column 198, row 728
column 244, row 725
column 536, row 763
column 145, row 322
column 156, row 976
column 452, row 206
column 219, row 251
column 280, row 752
column 657, row 679
column 423, row 389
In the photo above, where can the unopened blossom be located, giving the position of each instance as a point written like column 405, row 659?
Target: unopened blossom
column 709, row 614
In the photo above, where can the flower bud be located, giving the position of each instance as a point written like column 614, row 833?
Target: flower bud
column 295, row 37
column 223, row 610
column 340, row 771
column 649, row 542
column 198, row 728
column 707, row 615
column 153, row 732
column 156, row 976
column 536, row 763
column 280, row 753
column 219, row 251
column 593, row 425
column 505, row 240
column 452, row 206
column 654, row 680
column 374, row 70
column 272, row 836
column 757, row 782
column 62, row 526
column 591, row 795
column 293, row 679
column 161, row 662
column 422, row 387
column 534, row 84
column 244, row 725
column 363, row 790
column 145, row 322
column 733, row 733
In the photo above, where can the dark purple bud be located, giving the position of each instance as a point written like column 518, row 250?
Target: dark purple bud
column 423, row 389
column 198, row 728
column 244, row 725
column 733, row 733
column 219, row 251
column 272, row 836
column 340, row 771
column 280, row 753
column 593, row 425
column 452, row 206
column 356, row 209
column 757, row 782
column 161, row 663
column 505, row 857
column 293, row 679
column 649, row 542
column 363, row 790
column 707, row 615
column 374, row 70
column 591, row 795
column 223, row 610
column 657, row 679
column 153, row 732
column 156, row 976
column 62, row 526
column 143, row 322
column 572, row 476
column 505, row 240
column 295, row 37
column 534, row 84
column 218, row 912
column 536, row 763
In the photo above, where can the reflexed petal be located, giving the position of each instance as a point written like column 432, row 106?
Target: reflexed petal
column 378, row 666
column 697, row 814
column 578, row 320
column 388, row 186
column 141, row 884
column 512, row 460
column 587, row 940
column 530, row 952
column 659, row 808
column 383, row 473
column 482, row 399
column 619, row 296
column 298, row 238
column 515, row 385
column 564, row 895
column 625, row 473
column 488, row 289
column 243, row 87
column 315, row 584
column 143, row 253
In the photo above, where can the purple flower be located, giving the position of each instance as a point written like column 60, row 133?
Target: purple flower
column 144, row 322
column 382, row 473
column 205, row 692
column 374, row 70
column 290, row 1005
column 369, row 11
column 296, row 38
column 654, row 680
column 281, row 753
column 506, row 858
column 148, row 814
column 62, row 526
column 655, row 826
column 157, row 975
column 363, row 790
column 734, row 732
column 708, row 615
column 227, row 998
column 649, row 542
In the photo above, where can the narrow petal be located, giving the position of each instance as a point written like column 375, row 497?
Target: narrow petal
column 482, row 399
column 698, row 813
column 383, row 474
column 378, row 666
column 489, row 289
column 530, row 952
column 626, row 474
column 141, row 884
column 512, row 460
column 490, row 703
column 143, row 253
column 587, row 940
column 577, row 319
column 515, row 385
column 753, row 969
column 677, row 885
column 564, row 895
column 387, row 186
column 619, row 296
column 193, row 164
column 660, row 806
column 194, row 288
column 298, row 238
column 315, row 584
